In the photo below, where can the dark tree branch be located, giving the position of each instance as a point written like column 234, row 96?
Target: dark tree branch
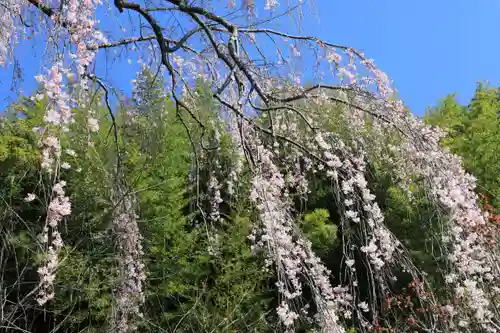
column 46, row 10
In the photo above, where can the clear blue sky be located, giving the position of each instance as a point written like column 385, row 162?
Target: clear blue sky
column 430, row 48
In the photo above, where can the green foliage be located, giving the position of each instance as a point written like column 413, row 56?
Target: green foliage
column 473, row 132
column 319, row 230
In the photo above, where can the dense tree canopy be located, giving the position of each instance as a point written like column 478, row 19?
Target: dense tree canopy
column 473, row 132
column 223, row 195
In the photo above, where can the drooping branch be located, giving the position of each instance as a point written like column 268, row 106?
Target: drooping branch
column 46, row 10
column 132, row 275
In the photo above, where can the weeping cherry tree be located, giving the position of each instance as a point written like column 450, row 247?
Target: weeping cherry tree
column 285, row 135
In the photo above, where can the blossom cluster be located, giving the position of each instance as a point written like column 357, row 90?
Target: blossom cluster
column 59, row 207
column 130, row 293
column 359, row 202
column 8, row 31
column 58, row 112
column 290, row 253
column 215, row 197
column 417, row 156
column 57, row 118
column 76, row 16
